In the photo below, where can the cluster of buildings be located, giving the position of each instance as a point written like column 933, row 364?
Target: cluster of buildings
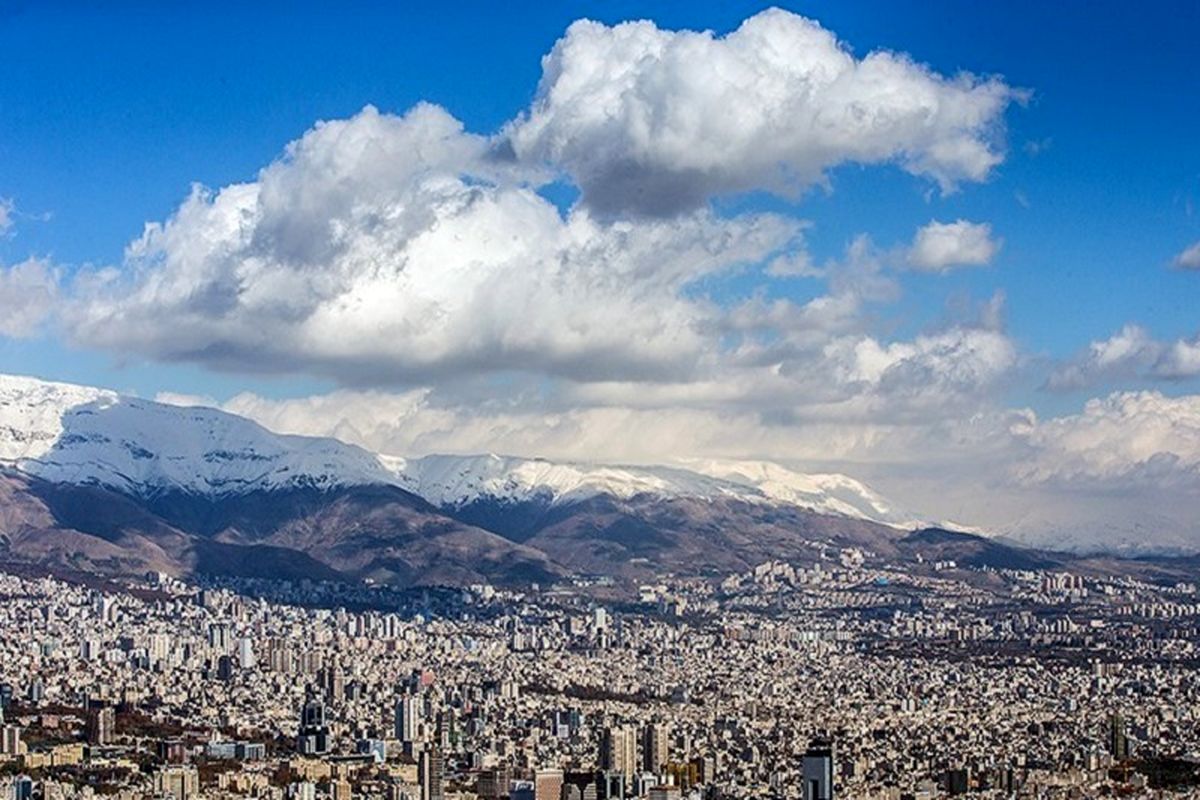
column 785, row 682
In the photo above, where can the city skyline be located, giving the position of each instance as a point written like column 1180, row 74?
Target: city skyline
column 599, row 401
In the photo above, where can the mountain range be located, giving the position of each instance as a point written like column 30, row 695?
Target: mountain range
column 97, row 481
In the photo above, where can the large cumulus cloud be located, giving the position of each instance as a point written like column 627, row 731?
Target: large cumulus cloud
column 383, row 249
column 1127, row 440
column 653, row 121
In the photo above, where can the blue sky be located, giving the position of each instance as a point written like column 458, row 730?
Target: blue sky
column 110, row 113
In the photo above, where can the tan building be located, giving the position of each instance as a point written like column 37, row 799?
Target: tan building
column 101, row 726
column 180, row 783
column 548, row 784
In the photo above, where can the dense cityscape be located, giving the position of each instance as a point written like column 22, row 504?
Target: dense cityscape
column 594, row 400
column 834, row 680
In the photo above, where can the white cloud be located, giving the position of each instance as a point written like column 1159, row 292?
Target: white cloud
column 655, row 121
column 1179, row 360
column 1189, row 258
column 1124, row 354
column 28, row 295
column 825, row 403
column 1125, row 440
column 385, row 249
column 591, row 425
column 185, row 400
column 963, row 359
column 388, row 422
column 939, row 246
column 1131, row 353
column 7, row 210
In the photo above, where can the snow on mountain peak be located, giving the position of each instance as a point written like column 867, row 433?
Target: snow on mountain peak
column 456, row 481
column 75, row 434
column 828, row 493
column 32, row 411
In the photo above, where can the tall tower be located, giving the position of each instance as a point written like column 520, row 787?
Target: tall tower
column 618, row 752
column 818, row 770
column 334, row 681
column 101, row 726
column 430, row 772
column 313, row 738
column 1118, row 737
column 408, row 717
column 654, row 747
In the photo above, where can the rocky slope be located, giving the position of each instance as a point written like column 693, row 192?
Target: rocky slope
column 119, row 483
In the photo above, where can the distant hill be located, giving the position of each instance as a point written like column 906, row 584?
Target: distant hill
column 972, row 550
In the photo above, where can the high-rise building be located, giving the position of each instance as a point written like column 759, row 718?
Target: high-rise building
column 408, row 717
column 444, row 730
column 279, row 655
column 1118, row 737
column 654, row 747
column 618, row 752
column 246, row 659
column 340, row 789
column 106, row 608
column 158, row 646
column 180, row 783
column 10, row 741
column 101, row 726
column 219, row 637
column 313, row 737
column 430, row 773
column 333, row 681
column 610, row 786
column 22, row 788
column 818, row 770
column 302, row 790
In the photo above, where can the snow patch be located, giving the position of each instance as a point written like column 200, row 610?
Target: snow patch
column 80, row 435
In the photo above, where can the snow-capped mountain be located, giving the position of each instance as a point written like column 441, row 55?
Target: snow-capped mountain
column 92, row 479
column 824, row 493
column 96, row 480
column 72, row 434
column 83, row 436
column 456, row 481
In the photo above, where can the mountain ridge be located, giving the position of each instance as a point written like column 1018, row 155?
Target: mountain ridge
column 73, row 434
column 92, row 479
